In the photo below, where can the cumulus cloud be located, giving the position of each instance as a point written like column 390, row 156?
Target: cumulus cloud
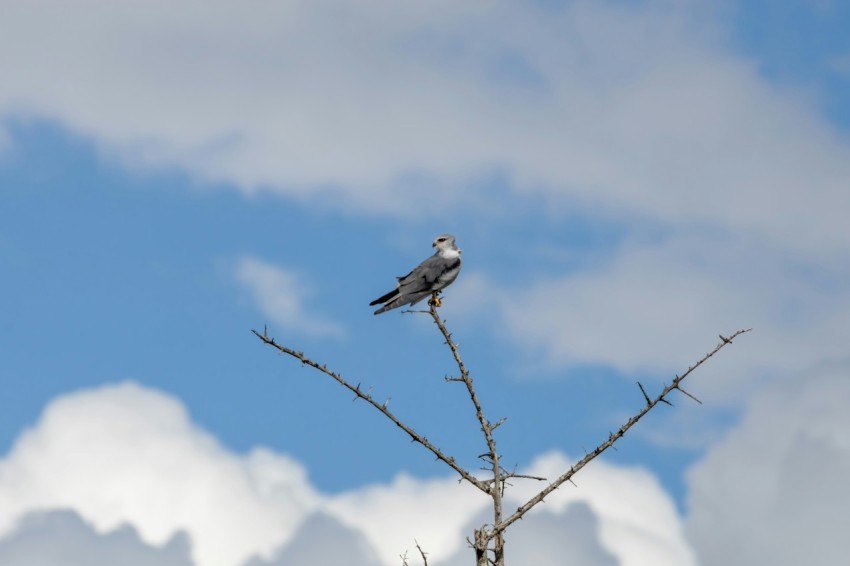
column 280, row 294
column 137, row 476
column 637, row 520
column 774, row 491
column 391, row 515
column 129, row 455
column 633, row 107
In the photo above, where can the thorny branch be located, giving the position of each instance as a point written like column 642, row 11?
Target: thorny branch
column 382, row 407
column 494, row 486
column 613, row 437
column 492, row 457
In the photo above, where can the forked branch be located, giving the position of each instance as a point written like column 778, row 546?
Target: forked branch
column 495, row 485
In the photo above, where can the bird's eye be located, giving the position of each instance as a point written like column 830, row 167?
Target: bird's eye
column 441, row 239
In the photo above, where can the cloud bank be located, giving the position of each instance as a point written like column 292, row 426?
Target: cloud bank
column 122, row 469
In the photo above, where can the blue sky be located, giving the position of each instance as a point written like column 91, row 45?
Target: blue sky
column 627, row 180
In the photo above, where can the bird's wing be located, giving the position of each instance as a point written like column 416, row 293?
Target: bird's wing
column 429, row 270
column 425, row 275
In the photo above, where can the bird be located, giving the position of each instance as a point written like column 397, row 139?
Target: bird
column 428, row 278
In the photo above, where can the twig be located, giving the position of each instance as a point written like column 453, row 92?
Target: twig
column 382, row 407
column 422, row 553
column 522, row 510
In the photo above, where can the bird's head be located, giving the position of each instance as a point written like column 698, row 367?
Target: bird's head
column 445, row 244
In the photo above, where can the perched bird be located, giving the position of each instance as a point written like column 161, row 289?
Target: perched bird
column 433, row 274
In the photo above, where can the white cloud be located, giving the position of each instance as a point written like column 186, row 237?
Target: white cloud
column 631, row 516
column 775, row 490
column 280, row 294
column 127, row 457
column 433, row 512
column 638, row 521
column 125, row 454
column 638, row 108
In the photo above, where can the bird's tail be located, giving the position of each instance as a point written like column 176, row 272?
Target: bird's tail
column 384, row 298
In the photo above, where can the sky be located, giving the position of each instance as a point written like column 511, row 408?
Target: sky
column 627, row 180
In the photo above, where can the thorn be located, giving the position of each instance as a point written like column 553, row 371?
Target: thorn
column 498, row 423
column 689, row 395
column 645, row 396
column 387, row 402
column 725, row 340
column 663, row 400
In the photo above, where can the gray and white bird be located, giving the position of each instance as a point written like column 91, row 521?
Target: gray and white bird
column 435, row 273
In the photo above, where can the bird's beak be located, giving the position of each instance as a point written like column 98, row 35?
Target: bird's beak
column 434, row 245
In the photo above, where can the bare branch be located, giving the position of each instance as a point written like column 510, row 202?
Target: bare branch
column 497, row 485
column 486, row 427
column 382, row 407
column 567, row 476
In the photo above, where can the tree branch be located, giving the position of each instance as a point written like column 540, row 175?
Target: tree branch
column 497, row 483
column 612, row 438
column 382, row 407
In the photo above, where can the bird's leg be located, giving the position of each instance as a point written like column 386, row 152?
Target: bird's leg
column 435, row 299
